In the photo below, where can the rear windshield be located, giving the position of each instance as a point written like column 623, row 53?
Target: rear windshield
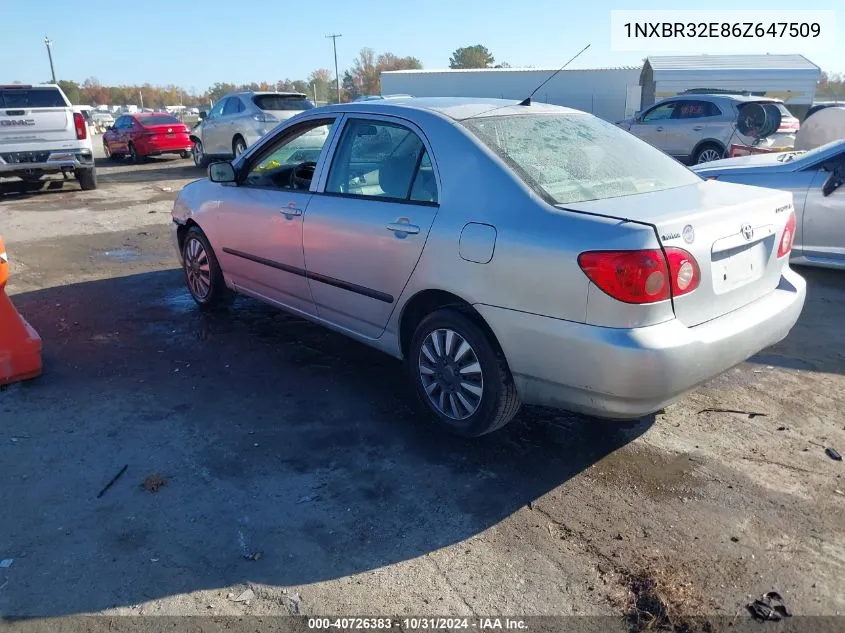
column 159, row 119
column 569, row 158
column 31, row 98
column 282, row 102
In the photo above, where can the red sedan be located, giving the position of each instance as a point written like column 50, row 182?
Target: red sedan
column 142, row 135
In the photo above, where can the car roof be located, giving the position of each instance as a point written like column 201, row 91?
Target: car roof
column 697, row 96
column 457, row 108
column 258, row 93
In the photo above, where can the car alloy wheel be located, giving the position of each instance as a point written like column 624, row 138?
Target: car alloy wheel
column 198, row 153
column 451, row 374
column 197, row 269
column 708, row 155
column 240, row 148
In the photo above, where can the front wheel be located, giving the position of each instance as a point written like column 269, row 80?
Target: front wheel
column 134, row 156
column 460, row 375
column 202, row 272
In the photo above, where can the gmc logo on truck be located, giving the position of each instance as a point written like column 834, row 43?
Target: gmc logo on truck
column 16, row 122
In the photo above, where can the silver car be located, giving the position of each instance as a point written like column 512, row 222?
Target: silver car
column 239, row 119
column 698, row 128
column 509, row 253
column 815, row 178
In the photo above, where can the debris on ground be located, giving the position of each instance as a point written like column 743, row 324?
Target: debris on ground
column 735, row 539
column 750, row 414
column 254, row 556
column 833, row 454
column 245, row 596
column 291, row 601
column 659, row 600
column 166, row 188
column 769, row 607
column 783, row 428
column 153, row 482
column 308, row 498
column 6, row 562
column 111, row 483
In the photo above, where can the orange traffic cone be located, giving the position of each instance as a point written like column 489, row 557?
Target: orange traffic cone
column 20, row 345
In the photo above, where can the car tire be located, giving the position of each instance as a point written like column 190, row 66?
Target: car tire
column 185, row 154
column 479, row 396
column 708, row 152
column 207, row 287
column 238, row 146
column 200, row 159
column 87, row 178
column 133, row 154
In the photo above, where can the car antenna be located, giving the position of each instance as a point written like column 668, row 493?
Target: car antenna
column 527, row 100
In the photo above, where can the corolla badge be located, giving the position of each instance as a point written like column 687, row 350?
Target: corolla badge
column 689, row 234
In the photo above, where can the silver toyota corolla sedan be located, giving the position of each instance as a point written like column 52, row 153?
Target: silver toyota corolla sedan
column 816, row 179
column 509, row 253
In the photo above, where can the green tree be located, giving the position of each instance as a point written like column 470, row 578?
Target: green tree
column 321, row 81
column 476, row 56
column 71, row 90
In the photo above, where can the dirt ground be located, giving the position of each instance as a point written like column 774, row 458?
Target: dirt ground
column 291, row 461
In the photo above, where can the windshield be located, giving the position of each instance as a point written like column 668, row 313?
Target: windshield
column 31, row 98
column 282, row 102
column 812, row 154
column 571, row 158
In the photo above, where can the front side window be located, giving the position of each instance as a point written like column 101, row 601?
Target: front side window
column 217, row 110
column 290, row 161
column 569, row 158
column 660, row 113
column 383, row 160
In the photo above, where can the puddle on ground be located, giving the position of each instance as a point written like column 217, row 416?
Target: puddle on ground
column 125, row 255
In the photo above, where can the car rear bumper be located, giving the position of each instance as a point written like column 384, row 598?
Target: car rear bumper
column 46, row 160
column 629, row 373
column 166, row 147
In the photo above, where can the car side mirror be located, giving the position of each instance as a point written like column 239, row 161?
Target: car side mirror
column 834, row 181
column 221, row 172
column 203, row 115
column 638, row 117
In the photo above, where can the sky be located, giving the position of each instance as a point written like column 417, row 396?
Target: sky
column 195, row 44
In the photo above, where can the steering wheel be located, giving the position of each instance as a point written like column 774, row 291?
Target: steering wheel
column 303, row 181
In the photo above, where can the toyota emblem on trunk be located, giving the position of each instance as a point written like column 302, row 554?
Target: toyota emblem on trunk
column 689, row 234
column 747, row 231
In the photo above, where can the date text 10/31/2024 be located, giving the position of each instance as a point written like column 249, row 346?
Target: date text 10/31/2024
column 418, row 624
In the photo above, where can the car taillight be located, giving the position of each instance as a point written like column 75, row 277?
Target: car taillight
column 789, row 125
column 788, row 236
column 79, row 124
column 643, row 276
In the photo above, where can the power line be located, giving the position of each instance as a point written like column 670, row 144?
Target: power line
column 336, row 75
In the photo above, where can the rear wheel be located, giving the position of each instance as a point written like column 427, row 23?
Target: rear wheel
column 708, row 152
column 133, row 154
column 202, row 272
column 460, row 375
column 87, row 178
column 184, row 154
column 238, row 146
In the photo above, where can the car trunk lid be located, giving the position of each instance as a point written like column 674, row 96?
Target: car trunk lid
column 732, row 231
column 152, row 126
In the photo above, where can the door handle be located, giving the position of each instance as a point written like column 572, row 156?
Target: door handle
column 659, row 128
column 698, row 128
column 403, row 227
column 291, row 210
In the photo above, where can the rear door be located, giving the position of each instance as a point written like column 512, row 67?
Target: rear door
column 34, row 114
column 212, row 133
column 364, row 233
column 227, row 127
column 652, row 124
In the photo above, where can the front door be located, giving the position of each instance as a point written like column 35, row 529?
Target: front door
column 651, row 126
column 824, row 216
column 261, row 217
column 365, row 231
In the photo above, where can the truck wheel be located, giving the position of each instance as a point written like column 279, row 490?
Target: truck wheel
column 87, row 178
column 460, row 375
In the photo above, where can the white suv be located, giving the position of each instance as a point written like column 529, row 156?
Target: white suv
column 40, row 133
column 241, row 118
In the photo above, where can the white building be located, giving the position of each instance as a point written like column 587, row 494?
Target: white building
column 609, row 93
column 791, row 78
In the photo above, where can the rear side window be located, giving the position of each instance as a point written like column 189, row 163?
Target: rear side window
column 282, row 102
column 695, row 110
column 31, row 98
column 233, row 106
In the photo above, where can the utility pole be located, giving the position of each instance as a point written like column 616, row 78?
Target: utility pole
column 141, row 94
column 48, row 43
column 336, row 75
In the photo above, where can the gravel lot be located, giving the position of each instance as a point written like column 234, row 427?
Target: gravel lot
column 273, row 435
